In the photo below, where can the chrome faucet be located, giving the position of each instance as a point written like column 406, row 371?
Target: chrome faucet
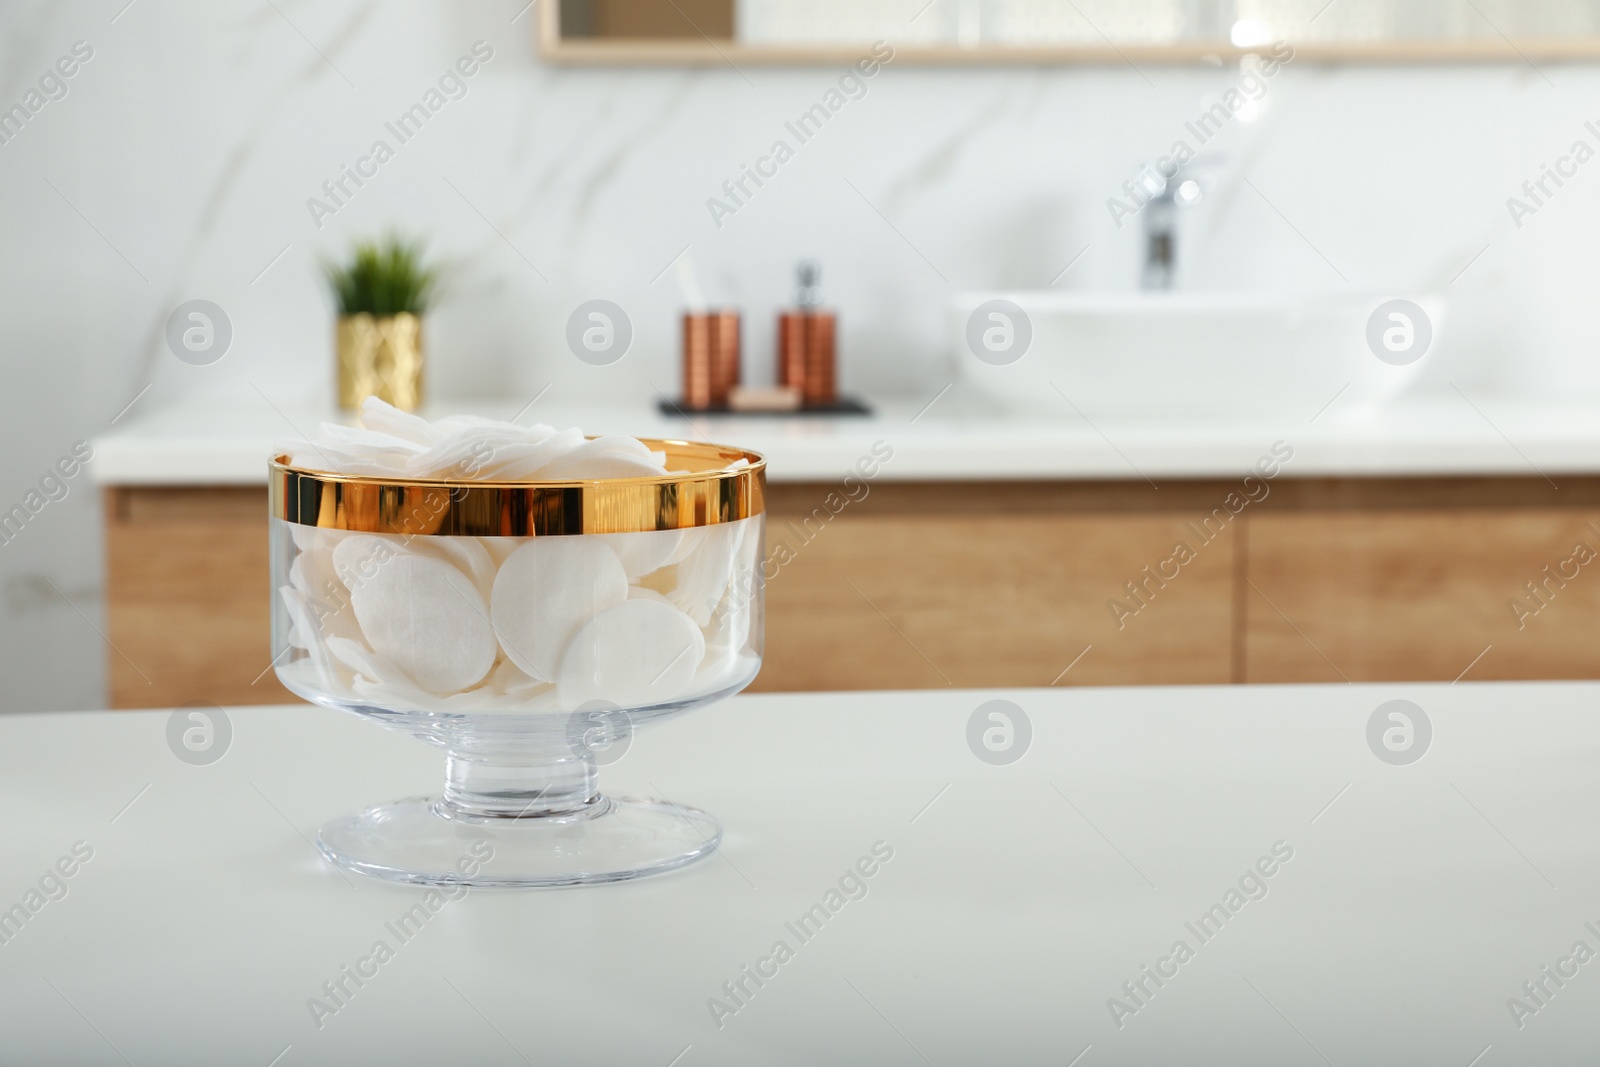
column 1160, row 238
column 1166, row 195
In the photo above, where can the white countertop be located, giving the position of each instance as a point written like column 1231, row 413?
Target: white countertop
column 955, row 437
column 1019, row 898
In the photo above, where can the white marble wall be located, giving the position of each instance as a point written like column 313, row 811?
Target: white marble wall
column 179, row 164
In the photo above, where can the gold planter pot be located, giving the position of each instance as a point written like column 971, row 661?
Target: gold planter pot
column 380, row 357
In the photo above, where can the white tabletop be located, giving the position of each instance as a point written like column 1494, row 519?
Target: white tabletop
column 1018, row 899
column 945, row 435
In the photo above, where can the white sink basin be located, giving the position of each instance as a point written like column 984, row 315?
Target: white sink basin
column 1138, row 355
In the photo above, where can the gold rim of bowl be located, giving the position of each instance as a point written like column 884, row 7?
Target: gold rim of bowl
column 707, row 491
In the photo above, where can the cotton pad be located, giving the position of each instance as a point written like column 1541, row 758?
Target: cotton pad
column 314, row 538
column 554, row 443
column 466, row 554
column 304, row 621
column 471, row 452
column 312, row 573
column 727, row 636
column 396, row 444
column 705, row 573
column 523, row 460
column 403, row 697
column 637, row 653
column 365, row 463
column 452, row 423
column 603, row 458
column 500, row 548
column 640, row 592
column 386, row 418
column 642, row 553
column 507, row 678
column 545, row 590
column 326, row 601
column 455, row 624
column 366, row 663
column 359, row 557
column 484, row 698
column 425, row 614
column 386, row 446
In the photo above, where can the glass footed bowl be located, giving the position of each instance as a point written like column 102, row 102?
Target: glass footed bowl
column 525, row 628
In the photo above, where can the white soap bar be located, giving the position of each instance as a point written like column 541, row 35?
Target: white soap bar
column 638, row 653
column 426, row 615
column 544, row 592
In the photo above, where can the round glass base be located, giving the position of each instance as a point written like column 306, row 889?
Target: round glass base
column 423, row 841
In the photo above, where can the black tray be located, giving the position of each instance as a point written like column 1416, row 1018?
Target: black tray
column 845, row 405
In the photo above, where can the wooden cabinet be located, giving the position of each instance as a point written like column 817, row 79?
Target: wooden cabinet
column 1389, row 595
column 992, row 585
column 984, row 586
column 186, row 597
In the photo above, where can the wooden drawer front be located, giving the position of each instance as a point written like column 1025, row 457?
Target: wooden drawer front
column 923, row 588
column 1418, row 595
column 187, row 588
column 904, row 601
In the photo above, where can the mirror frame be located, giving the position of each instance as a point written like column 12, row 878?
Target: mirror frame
column 643, row 52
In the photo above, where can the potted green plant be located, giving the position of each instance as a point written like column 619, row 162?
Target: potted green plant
column 382, row 293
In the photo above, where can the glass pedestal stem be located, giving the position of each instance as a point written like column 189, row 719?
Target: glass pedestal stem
column 520, row 785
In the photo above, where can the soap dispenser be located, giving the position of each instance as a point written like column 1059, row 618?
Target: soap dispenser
column 806, row 332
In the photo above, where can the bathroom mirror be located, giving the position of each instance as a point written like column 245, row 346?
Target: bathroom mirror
column 735, row 32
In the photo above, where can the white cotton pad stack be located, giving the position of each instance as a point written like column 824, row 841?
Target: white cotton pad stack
column 511, row 624
column 631, row 655
column 545, row 591
column 703, row 573
column 447, row 645
column 392, row 443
